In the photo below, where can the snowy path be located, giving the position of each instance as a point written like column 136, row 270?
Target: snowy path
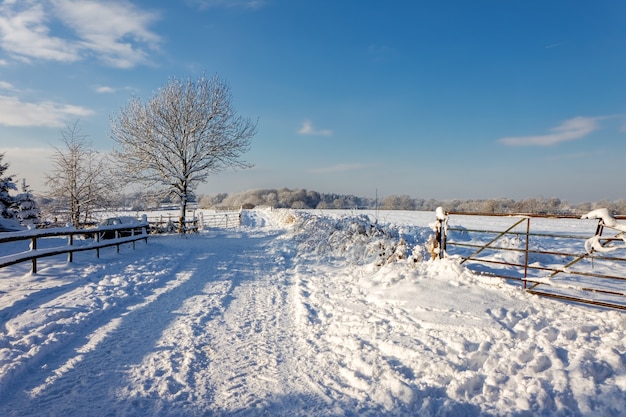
column 207, row 335
column 292, row 319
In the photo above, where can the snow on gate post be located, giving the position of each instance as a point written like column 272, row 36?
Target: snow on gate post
column 436, row 244
column 605, row 219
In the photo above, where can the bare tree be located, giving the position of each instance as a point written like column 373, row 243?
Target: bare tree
column 81, row 178
column 185, row 132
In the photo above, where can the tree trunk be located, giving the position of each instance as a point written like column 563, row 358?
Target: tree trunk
column 183, row 210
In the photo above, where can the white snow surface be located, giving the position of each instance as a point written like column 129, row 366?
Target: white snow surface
column 297, row 313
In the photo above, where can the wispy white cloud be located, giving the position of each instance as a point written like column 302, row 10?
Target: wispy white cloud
column 24, row 33
column 115, row 32
column 571, row 129
column 15, row 112
column 308, row 129
column 106, row 89
column 209, row 4
column 103, row 89
column 554, row 45
column 6, row 86
column 333, row 169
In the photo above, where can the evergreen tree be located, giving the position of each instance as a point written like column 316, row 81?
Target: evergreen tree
column 7, row 202
column 26, row 208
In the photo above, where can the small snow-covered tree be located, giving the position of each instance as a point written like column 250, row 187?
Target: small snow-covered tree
column 81, row 178
column 7, row 201
column 186, row 132
column 26, row 208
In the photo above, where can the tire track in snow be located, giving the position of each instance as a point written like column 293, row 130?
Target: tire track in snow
column 99, row 353
column 213, row 335
column 254, row 351
column 38, row 328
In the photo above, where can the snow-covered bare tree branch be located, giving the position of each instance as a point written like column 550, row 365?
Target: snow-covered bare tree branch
column 80, row 176
column 187, row 131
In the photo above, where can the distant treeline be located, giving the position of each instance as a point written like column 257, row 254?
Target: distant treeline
column 286, row 198
column 306, row 199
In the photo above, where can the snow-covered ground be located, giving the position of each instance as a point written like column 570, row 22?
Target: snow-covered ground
column 297, row 314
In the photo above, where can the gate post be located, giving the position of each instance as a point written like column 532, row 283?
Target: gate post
column 526, row 251
column 441, row 231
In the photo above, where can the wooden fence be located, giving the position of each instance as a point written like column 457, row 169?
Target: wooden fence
column 558, row 260
column 92, row 240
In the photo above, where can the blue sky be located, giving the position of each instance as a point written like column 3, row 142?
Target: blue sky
column 433, row 99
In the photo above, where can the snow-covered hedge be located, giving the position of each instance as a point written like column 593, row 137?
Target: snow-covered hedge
column 359, row 239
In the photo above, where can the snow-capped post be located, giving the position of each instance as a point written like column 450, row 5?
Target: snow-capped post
column 605, row 219
column 442, row 226
column 144, row 220
column 437, row 243
column 200, row 221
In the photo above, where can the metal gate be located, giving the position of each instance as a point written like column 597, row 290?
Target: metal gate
column 563, row 257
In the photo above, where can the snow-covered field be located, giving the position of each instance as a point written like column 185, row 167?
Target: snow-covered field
column 297, row 314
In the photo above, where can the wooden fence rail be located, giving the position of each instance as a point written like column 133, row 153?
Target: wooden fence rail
column 127, row 233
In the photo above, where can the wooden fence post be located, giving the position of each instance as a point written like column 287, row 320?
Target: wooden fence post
column 200, row 221
column 70, row 242
column 33, row 246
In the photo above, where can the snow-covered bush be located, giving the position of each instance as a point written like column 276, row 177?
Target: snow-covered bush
column 358, row 240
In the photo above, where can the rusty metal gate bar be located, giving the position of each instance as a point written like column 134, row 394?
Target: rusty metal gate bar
column 488, row 243
column 526, row 266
